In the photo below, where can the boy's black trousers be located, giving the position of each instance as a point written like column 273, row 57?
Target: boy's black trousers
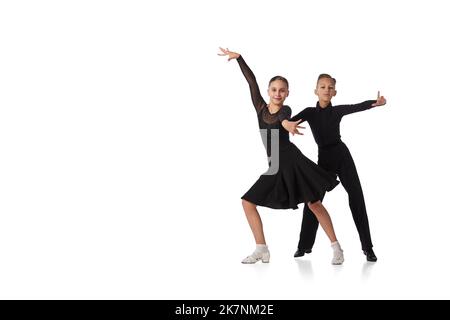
column 337, row 159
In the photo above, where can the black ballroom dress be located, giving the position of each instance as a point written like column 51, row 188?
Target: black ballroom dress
column 292, row 178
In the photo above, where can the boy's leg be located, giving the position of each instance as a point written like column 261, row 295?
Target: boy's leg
column 350, row 181
column 308, row 232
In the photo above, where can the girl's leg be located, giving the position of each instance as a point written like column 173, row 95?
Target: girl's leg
column 324, row 219
column 254, row 220
column 325, row 222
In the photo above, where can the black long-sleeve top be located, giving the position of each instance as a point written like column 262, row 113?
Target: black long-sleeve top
column 266, row 120
column 324, row 122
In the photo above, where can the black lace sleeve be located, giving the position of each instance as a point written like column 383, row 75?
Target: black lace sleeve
column 285, row 113
column 258, row 101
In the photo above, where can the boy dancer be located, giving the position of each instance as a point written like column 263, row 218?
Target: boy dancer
column 335, row 157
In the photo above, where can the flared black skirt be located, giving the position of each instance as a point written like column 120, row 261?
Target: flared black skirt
column 298, row 180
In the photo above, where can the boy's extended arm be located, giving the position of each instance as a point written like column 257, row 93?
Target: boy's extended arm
column 292, row 125
column 344, row 110
column 302, row 115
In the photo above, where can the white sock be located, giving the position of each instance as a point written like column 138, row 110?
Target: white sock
column 261, row 248
column 336, row 246
column 338, row 253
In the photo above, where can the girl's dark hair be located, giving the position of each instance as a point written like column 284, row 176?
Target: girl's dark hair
column 279, row 78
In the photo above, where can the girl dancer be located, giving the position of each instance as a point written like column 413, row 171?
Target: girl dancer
column 292, row 178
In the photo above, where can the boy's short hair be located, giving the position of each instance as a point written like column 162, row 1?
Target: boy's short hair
column 326, row 76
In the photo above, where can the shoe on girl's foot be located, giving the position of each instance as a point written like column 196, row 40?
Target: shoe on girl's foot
column 338, row 254
column 264, row 256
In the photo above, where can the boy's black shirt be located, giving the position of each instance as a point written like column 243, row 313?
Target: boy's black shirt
column 324, row 122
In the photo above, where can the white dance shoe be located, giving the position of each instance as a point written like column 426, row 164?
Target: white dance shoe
column 256, row 256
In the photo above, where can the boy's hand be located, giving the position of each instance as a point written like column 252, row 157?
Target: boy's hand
column 381, row 101
column 292, row 126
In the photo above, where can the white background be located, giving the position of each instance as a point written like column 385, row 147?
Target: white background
column 126, row 144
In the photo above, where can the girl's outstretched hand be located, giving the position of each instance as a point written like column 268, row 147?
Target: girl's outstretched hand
column 381, row 101
column 230, row 54
column 292, row 126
